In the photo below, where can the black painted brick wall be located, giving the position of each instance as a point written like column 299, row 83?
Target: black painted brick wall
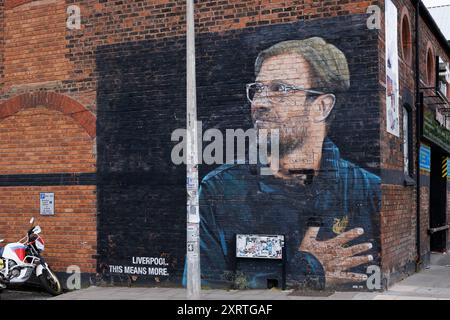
column 142, row 99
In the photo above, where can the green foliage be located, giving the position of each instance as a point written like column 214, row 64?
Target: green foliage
column 238, row 279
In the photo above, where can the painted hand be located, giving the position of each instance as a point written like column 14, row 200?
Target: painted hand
column 334, row 257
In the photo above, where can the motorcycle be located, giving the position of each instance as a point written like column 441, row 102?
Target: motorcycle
column 19, row 260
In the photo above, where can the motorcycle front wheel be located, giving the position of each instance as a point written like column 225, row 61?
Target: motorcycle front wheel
column 50, row 282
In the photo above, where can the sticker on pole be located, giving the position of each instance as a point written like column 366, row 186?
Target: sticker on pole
column 191, row 183
column 193, row 214
column 192, row 233
column 191, row 246
column 47, row 204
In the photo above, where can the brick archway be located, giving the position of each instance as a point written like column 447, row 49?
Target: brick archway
column 54, row 101
column 47, row 143
column 11, row 4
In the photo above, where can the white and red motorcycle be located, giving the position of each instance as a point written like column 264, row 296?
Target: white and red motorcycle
column 19, row 260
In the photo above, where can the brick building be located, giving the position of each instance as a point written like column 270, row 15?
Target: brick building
column 88, row 114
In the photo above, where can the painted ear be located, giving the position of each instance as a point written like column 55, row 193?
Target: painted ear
column 325, row 104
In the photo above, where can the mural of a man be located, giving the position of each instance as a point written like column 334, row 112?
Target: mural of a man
column 324, row 205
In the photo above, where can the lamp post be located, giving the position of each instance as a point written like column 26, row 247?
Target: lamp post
column 193, row 215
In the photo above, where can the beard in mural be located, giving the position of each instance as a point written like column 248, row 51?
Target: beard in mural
column 323, row 205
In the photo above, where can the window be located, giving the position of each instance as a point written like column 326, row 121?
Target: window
column 407, row 141
column 431, row 70
column 406, row 39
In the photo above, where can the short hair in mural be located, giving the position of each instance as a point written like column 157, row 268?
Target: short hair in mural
column 323, row 204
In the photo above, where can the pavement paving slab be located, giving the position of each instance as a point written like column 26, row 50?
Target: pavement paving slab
column 418, row 288
column 432, row 283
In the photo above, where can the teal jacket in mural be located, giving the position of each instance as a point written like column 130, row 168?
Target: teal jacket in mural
column 235, row 199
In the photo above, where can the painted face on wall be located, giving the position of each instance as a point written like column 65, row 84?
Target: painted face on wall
column 274, row 107
column 278, row 102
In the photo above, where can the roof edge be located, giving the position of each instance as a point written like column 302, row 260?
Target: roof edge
column 427, row 17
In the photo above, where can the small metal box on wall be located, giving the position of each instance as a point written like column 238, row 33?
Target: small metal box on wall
column 47, row 203
column 257, row 246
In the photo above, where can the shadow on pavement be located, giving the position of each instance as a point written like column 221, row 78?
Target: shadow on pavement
column 24, row 292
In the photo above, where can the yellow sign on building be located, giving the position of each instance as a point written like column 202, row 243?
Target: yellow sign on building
column 445, row 165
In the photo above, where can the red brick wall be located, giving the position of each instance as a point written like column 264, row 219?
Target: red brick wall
column 35, row 44
column 70, row 236
column 427, row 39
column 36, row 141
column 47, row 133
column 39, row 140
column 52, row 135
column 392, row 147
column 2, row 36
column 398, row 247
column 424, row 219
column 10, row 4
column 47, row 53
column 398, row 213
column 166, row 18
column 398, row 225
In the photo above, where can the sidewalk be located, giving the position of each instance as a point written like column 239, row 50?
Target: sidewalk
column 430, row 284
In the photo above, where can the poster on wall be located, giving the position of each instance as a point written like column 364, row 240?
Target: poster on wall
column 259, row 246
column 425, row 158
column 448, row 168
column 392, row 78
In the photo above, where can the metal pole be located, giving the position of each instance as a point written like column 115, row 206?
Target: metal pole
column 418, row 103
column 193, row 215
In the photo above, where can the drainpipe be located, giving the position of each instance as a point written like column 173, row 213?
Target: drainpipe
column 419, row 101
